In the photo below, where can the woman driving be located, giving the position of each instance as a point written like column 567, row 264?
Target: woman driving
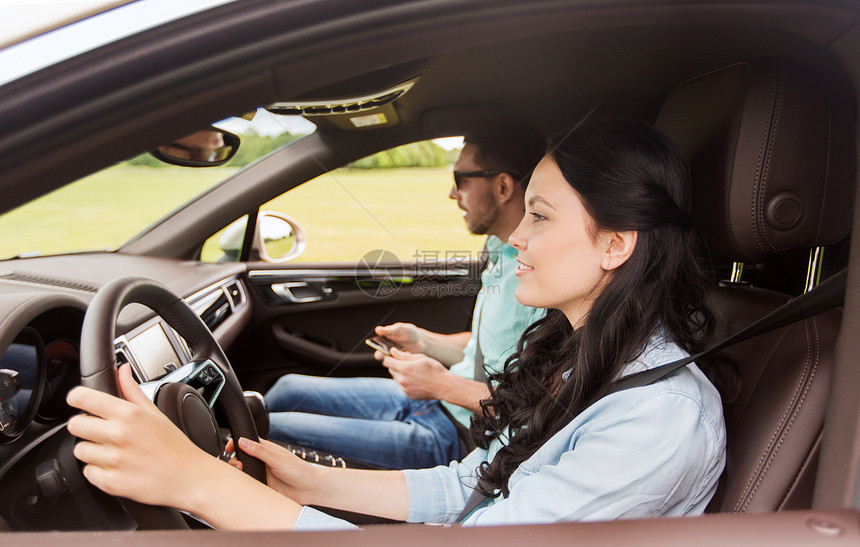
column 606, row 244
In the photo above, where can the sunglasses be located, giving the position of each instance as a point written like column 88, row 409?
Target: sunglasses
column 486, row 173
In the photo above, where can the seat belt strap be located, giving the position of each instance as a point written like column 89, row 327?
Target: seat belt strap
column 828, row 295
column 480, row 373
column 475, row 499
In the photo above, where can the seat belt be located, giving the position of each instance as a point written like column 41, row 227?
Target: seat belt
column 826, row 296
column 480, row 374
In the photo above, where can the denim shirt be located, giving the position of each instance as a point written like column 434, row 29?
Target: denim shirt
column 642, row 452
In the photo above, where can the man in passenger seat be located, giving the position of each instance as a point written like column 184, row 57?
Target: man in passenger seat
column 417, row 419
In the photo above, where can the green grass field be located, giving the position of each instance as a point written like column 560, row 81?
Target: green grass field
column 405, row 211
column 345, row 213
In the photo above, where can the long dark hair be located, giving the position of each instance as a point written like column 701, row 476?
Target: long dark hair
column 630, row 177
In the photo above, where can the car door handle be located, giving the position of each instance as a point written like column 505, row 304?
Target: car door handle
column 301, row 292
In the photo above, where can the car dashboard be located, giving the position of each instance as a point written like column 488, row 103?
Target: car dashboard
column 41, row 318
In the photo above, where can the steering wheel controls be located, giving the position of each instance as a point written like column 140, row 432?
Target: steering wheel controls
column 208, row 374
column 204, row 376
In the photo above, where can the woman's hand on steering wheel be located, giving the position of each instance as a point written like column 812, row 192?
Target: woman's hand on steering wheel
column 133, row 450
column 286, row 473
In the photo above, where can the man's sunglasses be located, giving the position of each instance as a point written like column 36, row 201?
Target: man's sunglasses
column 485, row 174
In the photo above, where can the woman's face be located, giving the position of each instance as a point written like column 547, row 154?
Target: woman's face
column 562, row 255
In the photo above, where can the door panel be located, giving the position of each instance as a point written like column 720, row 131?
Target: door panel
column 313, row 319
column 789, row 529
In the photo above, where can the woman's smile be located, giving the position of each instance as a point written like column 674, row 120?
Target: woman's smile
column 523, row 268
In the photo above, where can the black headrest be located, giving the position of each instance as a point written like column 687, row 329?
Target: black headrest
column 771, row 150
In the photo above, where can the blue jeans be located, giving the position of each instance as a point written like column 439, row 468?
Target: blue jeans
column 365, row 419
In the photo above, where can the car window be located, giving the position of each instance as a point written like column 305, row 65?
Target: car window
column 395, row 201
column 104, row 210
column 103, row 27
column 226, row 244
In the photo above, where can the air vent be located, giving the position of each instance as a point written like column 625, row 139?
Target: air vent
column 38, row 280
column 234, row 291
column 216, row 312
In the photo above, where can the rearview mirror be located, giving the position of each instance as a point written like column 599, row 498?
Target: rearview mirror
column 207, row 148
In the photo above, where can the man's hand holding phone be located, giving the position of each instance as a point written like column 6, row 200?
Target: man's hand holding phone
column 403, row 336
column 419, row 376
column 382, row 344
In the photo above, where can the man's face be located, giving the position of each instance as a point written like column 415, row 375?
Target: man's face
column 474, row 195
column 200, row 146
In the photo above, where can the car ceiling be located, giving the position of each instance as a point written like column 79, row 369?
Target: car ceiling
column 552, row 61
column 555, row 79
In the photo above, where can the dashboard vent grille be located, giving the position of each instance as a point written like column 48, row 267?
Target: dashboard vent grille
column 38, row 280
column 217, row 311
column 234, row 291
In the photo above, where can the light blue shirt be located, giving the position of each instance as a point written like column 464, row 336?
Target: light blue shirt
column 642, row 452
column 502, row 319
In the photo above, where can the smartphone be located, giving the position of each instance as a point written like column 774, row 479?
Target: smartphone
column 382, row 344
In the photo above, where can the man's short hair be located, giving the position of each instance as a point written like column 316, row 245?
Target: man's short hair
column 510, row 143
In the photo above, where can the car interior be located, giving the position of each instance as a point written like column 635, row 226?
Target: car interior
column 760, row 98
column 775, row 411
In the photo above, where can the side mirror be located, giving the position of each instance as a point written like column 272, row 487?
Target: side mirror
column 207, row 148
column 278, row 238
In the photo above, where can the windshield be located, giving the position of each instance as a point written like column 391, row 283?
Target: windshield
column 104, row 210
column 24, row 18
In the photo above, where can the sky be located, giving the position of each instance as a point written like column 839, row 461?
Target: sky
column 22, row 17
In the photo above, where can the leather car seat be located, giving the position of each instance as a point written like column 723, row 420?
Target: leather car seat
column 771, row 151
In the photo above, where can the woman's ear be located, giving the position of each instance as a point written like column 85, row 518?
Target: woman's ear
column 621, row 245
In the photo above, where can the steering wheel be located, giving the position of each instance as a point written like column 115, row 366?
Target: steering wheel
column 175, row 394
